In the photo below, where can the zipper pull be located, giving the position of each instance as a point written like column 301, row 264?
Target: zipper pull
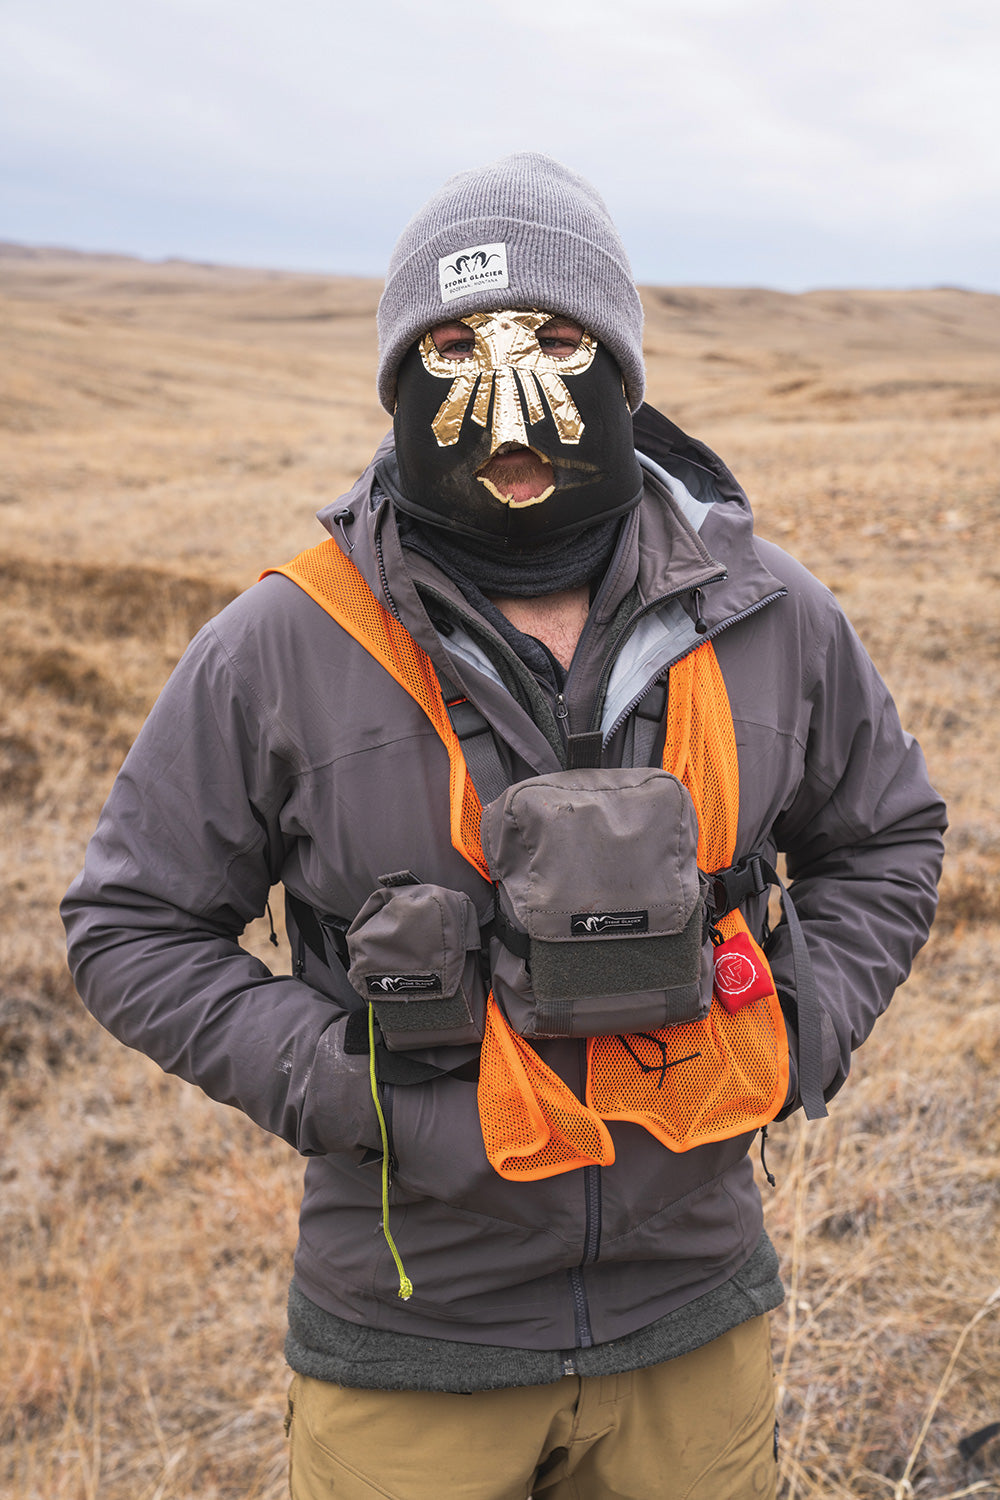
column 562, row 712
column 699, row 623
column 341, row 519
column 772, row 1182
column 274, row 935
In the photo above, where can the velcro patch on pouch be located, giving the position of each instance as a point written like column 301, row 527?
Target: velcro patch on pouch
column 740, row 977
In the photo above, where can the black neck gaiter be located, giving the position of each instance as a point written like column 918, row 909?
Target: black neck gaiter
column 548, row 568
column 478, row 574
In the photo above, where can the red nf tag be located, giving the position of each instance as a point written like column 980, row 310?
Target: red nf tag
column 740, row 977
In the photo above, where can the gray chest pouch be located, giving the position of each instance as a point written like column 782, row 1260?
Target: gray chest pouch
column 600, row 906
column 414, row 954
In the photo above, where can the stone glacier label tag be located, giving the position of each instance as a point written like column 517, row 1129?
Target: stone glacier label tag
column 620, row 923
column 403, row 985
column 480, row 268
column 740, row 977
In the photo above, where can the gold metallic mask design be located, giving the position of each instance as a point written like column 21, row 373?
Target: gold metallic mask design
column 507, row 355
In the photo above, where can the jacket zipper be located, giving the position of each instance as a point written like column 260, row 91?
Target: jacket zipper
column 647, row 609
column 708, row 636
column 581, row 1311
column 591, row 1251
column 384, row 580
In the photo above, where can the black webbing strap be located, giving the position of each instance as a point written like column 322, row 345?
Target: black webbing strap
column 399, row 1068
column 479, row 747
column 513, row 939
column 751, row 876
column 807, row 1005
column 807, row 1009
column 315, row 931
column 583, row 751
column 647, row 723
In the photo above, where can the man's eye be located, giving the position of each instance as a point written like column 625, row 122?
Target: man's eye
column 559, row 338
column 453, row 341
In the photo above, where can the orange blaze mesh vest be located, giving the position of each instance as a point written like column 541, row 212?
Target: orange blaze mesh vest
column 687, row 1085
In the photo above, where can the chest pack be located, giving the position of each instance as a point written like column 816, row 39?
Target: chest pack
column 616, row 919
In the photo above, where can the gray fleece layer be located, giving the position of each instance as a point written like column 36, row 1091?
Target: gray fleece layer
column 280, row 751
column 327, row 1348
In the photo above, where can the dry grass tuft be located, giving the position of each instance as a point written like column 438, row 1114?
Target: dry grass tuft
column 110, row 601
column 20, row 769
column 168, row 432
column 43, row 1031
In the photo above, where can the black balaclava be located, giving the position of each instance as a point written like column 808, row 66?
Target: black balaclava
column 510, row 391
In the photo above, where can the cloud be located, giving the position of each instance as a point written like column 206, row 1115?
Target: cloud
column 841, row 135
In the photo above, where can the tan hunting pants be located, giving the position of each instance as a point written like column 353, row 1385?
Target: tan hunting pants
column 700, row 1427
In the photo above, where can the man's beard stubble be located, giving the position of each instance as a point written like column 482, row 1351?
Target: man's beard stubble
column 517, row 475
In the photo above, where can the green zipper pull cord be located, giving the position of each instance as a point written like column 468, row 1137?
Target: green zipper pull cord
column 405, row 1284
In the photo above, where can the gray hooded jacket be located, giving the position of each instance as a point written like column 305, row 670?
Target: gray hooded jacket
column 280, row 751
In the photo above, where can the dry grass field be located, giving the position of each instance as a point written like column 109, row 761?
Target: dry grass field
column 167, row 430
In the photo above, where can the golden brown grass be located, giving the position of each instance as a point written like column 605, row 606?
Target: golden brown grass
column 167, row 431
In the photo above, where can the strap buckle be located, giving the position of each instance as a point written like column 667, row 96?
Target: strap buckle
column 466, row 720
column 730, row 888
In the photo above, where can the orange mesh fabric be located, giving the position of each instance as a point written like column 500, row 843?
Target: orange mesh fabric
column 334, row 582
column 716, row 1078
column 702, row 1082
column 700, row 750
column 533, row 1124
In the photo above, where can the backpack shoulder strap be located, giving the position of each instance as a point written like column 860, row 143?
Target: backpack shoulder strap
column 333, row 581
column 478, row 742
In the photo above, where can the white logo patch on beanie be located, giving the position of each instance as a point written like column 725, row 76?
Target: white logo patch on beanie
column 479, row 267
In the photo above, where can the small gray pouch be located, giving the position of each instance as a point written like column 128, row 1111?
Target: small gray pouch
column 600, row 906
column 414, row 952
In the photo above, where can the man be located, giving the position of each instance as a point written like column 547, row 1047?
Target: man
column 487, row 735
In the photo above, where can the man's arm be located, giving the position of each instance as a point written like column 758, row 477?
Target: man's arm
column 183, row 857
column 863, row 845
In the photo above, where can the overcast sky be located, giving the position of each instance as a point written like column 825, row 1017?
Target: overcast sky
column 783, row 143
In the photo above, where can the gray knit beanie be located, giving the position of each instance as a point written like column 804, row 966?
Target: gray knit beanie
column 521, row 232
